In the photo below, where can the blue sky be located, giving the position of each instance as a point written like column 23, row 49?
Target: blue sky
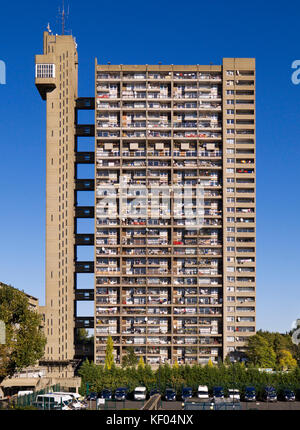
column 173, row 32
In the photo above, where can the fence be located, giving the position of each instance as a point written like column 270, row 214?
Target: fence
column 30, row 399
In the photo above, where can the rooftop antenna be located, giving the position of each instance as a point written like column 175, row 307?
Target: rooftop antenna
column 63, row 16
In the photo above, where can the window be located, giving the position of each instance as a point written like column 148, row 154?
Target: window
column 231, row 229
column 230, row 190
column 230, row 121
column 230, row 102
column 230, row 111
column 45, row 71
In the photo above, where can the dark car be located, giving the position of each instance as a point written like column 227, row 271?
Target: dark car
column 154, row 391
column 187, row 393
column 269, row 394
column 121, row 393
column 218, row 393
column 250, row 394
column 92, row 396
column 106, row 394
column 289, row 395
column 170, row 394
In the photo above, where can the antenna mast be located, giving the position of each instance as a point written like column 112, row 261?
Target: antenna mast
column 63, row 15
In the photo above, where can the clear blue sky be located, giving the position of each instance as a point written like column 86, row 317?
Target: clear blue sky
column 173, row 32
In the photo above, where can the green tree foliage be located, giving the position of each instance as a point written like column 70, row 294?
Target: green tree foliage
column 235, row 375
column 109, row 357
column 25, row 341
column 141, row 364
column 286, row 360
column 130, row 358
column 261, row 352
column 265, row 349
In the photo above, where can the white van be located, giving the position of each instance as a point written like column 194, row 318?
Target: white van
column 53, row 401
column 202, row 392
column 234, row 394
column 73, row 397
column 140, row 393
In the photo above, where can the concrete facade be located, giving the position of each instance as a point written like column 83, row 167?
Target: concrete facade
column 174, row 290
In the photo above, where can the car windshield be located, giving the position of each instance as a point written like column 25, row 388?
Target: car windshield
column 139, row 392
column 187, row 390
column 169, row 392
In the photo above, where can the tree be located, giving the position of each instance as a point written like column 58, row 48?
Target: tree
column 260, row 351
column 83, row 336
column 286, row 360
column 210, row 363
column 25, row 340
column 176, row 365
column 141, row 364
column 109, row 357
column 130, row 359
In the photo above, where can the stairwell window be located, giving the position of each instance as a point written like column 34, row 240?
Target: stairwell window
column 45, row 71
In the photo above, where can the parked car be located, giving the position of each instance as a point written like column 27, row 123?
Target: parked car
column 250, row 394
column 202, row 392
column 269, row 394
column 187, row 393
column 154, row 391
column 234, row 394
column 289, row 395
column 170, row 394
column 121, row 393
column 105, row 394
column 140, row 393
column 218, row 393
column 92, row 396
